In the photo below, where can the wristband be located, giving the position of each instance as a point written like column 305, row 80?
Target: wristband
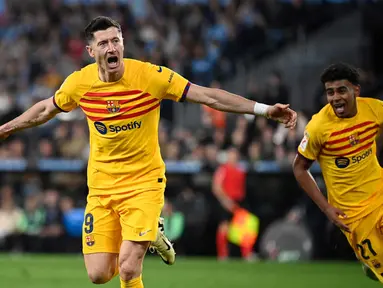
column 261, row 109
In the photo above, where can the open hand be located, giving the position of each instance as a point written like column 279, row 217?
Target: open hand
column 283, row 114
column 336, row 215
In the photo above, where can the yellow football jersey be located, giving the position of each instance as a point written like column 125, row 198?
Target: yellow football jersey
column 123, row 119
column 346, row 151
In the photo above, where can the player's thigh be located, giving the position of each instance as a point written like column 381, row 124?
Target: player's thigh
column 101, row 267
column 139, row 214
column 131, row 258
column 101, row 228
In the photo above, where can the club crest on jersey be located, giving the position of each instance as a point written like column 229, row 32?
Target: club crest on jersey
column 113, row 106
column 89, row 240
column 353, row 139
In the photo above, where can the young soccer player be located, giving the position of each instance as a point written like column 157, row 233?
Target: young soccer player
column 341, row 137
column 126, row 174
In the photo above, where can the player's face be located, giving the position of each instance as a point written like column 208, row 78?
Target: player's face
column 107, row 49
column 342, row 95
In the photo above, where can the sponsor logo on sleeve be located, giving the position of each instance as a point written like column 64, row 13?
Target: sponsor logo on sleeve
column 304, row 142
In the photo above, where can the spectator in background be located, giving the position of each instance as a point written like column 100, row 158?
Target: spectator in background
column 10, row 216
column 281, row 157
column 78, row 142
column 192, row 204
column 201, row 67
column 238, row 136
column 254, row 151
column 276, row 90
column 214, row 118
column 8, row 106
column 46, row 149
column 281, row 136
column 172, row 151
column 203, row 40
column 210, row 162
column 229, row 188
column 267, row 144
column 255, row 129
column 32, row 223
column 174, row 221
column 73, row 219
column 219, row 138
column 203, row 43
column 66, row 204
column 16, row 148
column 53, row 228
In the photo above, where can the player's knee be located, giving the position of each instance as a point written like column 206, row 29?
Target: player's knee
column 100, row 277
column 130, row 269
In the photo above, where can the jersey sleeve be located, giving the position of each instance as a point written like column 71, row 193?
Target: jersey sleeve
column 311, row 143
column 377, row 106
column 64, row 97
column 166, row 84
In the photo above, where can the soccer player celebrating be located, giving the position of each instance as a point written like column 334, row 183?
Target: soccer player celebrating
column 341, row 137
column 126, row 174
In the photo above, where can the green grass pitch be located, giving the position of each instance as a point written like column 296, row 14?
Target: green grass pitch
column 58, row 271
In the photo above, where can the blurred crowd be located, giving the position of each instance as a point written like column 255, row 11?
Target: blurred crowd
column 204, row 40
column 42, row 43
column 256, row 137
column 34, row 223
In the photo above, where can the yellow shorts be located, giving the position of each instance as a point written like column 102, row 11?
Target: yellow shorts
column 110, row 219
column 366, row 239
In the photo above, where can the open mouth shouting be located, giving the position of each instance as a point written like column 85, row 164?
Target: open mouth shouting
column 112, row 61
column 339, row 108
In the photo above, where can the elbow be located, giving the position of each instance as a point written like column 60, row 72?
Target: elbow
column 298, row 168
column 203, row 95
column 297, row 172
column 46, row 114
column 48, row 109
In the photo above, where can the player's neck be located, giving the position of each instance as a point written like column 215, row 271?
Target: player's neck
column 353, row 112
column 111, row 77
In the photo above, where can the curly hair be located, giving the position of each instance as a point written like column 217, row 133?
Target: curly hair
column 340, row 71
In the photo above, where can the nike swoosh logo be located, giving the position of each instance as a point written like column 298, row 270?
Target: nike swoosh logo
column 143, row 233
column 159, row 69
column 167, row 244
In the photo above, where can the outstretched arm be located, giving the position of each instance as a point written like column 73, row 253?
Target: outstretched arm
column 38, row 114
column 228, row 102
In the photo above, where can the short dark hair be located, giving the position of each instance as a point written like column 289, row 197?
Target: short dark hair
column 100, row 23
column 340, row 71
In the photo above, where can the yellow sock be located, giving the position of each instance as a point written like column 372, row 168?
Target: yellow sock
column 134, row 283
